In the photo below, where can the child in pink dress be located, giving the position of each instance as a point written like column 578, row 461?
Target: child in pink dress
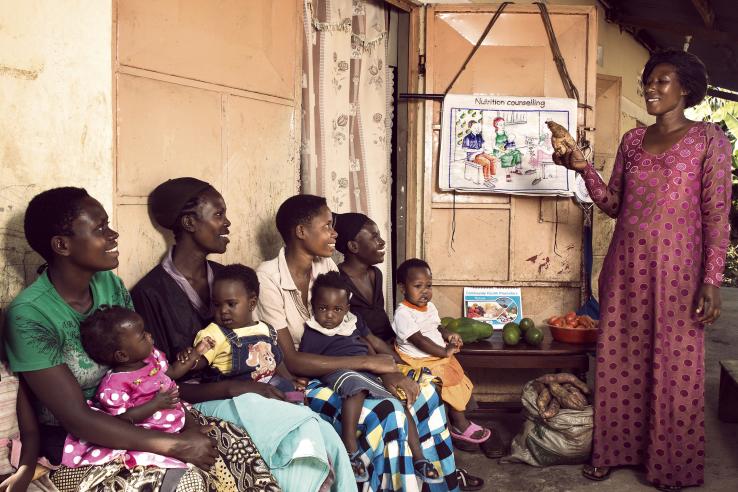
column 139, row 387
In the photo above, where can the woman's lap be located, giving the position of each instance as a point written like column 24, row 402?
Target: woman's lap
column 384, row 436
column 280, row 430
column 239, row 466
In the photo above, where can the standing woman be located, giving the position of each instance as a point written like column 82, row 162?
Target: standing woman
column 659, row 287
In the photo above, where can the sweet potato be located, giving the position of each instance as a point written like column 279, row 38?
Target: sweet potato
column 576, row 396
column 559, row 135
column 562, row 378
column 552, row 410
column 538, row 386
column 544, row 398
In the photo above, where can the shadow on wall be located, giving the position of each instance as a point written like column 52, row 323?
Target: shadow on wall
column 268, row 240
column 19, row 264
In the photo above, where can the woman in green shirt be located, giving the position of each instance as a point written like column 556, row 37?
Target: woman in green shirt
column 71, row 231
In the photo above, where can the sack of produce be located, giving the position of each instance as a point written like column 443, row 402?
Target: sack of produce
column 558, row 423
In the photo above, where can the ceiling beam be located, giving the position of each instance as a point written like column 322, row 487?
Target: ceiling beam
column 712, row 91
column 677, row 28
column 704, row 7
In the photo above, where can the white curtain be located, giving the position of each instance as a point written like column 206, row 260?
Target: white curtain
column 346, row 120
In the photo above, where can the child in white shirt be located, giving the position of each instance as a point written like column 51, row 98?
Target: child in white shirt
column 423, row 342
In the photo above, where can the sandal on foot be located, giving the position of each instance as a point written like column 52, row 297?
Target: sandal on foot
column 361, row 474
column 596, row 473
column 425, row 470
column 467, row 481
column 668, row 488
column 493, row 447
column 466, row 436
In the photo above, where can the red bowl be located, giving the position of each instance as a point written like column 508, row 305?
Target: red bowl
column 573, row 335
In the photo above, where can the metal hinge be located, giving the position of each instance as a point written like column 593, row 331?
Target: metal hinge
column 421, row 65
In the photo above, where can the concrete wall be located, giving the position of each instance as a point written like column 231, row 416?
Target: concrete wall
column 56, row 124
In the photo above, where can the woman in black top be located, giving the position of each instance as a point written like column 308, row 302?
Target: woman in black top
column 362, row 246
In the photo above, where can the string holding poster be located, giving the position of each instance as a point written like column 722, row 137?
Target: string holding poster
column 501, row 144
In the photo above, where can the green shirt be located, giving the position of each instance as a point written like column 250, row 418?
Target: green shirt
column 43, row 330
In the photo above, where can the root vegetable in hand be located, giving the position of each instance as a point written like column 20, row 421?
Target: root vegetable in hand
column 560, row 136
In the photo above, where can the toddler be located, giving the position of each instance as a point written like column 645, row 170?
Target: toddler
column 334, row 331
column 422, row 342
column 139, row 387
column 243, row 348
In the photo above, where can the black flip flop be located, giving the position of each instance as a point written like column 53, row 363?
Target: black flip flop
column 465, row 446
column 467, row 481
column 493, row 447
column 668, row 488
column 592, row 475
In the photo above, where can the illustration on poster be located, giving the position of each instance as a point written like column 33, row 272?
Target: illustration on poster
column 501, row 144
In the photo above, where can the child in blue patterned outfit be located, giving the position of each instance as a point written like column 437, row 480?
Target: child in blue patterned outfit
column 333, row 330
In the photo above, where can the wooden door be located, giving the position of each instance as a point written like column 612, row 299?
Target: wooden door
column 499, row 240
column 210, row 90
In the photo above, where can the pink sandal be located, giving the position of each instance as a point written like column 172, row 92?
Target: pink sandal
column 466, row 435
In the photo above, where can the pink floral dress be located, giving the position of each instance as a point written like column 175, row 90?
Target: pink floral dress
column 671, row 236
column 118, row 392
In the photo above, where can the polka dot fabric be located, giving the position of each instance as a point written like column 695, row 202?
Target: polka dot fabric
column 118, row 392
column 671, row 236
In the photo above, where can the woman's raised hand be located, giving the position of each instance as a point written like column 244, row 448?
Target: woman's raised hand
column 573, row 158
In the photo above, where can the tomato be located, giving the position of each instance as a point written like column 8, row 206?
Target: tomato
column 571, row 316
column 571, row 324
column 558, row 323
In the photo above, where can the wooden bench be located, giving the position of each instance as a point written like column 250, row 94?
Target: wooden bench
column 492, row 354
column 728, row 396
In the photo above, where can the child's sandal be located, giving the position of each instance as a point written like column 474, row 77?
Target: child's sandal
column 361, row 474
column 466, row 436
column 427, row 472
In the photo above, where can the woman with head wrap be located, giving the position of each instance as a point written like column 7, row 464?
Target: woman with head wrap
column 174, row 301
column 362, row 246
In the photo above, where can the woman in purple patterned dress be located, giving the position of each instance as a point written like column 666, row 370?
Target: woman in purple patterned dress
column 659, row 287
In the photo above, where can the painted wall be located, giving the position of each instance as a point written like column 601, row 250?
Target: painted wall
column 56, row 124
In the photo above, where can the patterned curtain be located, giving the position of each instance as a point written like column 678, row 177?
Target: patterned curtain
column 347, row 113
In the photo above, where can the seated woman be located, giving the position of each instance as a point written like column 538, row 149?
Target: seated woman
column 306, row 225
column 174, row 299
column 362, row 246
column 70, row 230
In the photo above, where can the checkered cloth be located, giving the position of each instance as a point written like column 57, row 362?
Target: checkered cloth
column 384, row 437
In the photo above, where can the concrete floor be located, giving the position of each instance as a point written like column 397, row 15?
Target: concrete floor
column 721, row 471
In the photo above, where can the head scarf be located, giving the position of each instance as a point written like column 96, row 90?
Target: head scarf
column 169, row 198
column 348, row 226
